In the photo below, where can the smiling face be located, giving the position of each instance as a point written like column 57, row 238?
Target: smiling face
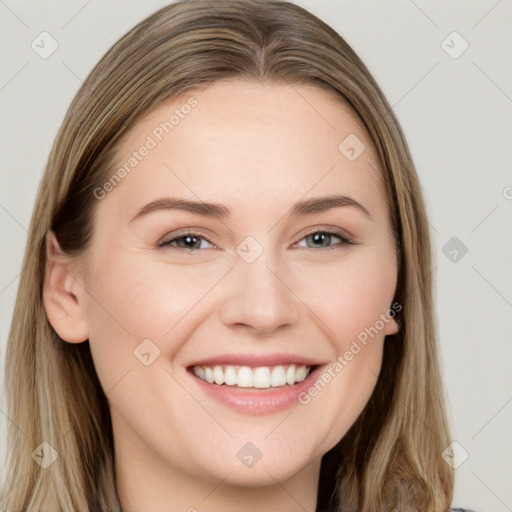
column 196, row 312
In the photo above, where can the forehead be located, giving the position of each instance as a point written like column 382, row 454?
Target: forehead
column 261, row 143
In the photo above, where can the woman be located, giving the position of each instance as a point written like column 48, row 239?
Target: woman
column 190, row 347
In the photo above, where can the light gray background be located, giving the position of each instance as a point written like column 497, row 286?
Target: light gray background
column 456, row 114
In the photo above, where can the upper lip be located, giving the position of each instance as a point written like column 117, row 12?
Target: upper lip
column 256, row 360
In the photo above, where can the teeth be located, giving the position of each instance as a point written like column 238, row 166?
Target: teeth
column 199, row 371
column 290, row 375
column 230, row 376
column 301, row 373
column 218, row 375
column 262, row 377
column 278, row 376
column 208, row 375
column 245, row 378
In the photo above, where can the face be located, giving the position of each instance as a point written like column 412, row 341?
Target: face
column 227, row 334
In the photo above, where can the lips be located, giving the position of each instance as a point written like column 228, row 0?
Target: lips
column 253, row 383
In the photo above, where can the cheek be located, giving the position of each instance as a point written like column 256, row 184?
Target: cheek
column 133, row 300
column 351, row 299
column 349, row 295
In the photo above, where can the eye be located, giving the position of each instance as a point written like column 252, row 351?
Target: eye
column 323, row 238
column 191, row 241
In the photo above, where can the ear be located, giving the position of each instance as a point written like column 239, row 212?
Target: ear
column 62, row 297
column 393, row 313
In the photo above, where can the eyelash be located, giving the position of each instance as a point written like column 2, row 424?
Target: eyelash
column 344, row 239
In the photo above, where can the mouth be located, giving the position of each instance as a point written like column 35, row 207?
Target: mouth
column 255, row 385
column 247, row 377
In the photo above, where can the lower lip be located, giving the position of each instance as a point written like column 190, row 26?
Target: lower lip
column 258, row 402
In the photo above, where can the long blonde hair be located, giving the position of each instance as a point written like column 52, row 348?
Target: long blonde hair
column 53, row 393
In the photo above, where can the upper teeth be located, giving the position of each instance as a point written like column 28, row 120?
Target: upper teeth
column 247, row 377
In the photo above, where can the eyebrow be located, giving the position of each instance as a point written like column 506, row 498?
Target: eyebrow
column 216, row 210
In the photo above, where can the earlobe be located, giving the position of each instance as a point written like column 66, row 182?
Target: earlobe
column 61, row 294
column 391, row 327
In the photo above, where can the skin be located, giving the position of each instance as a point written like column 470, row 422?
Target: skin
column 176, row 448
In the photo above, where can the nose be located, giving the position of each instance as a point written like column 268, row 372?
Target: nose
column 259, row 297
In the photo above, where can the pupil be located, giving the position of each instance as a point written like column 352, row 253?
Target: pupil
column 319, row 237
column 190, row 240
